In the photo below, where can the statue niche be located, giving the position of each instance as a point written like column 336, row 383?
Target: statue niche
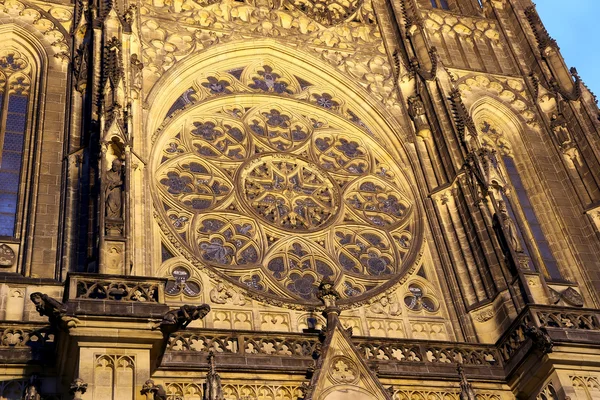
column 509, row 237
column 510, row 228
column 114, row 191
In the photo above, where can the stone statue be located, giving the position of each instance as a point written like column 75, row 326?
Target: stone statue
column 113, row 190
column 212, row 388
column 416, row 110
column 136, row 66
column 176, row 320
column 540, row 338
column 328, row 295
column 558, row 124
column 307, row 391
column 510, row 228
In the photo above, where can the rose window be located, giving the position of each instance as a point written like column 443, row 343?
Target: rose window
column 288, row 192
column 274, row 194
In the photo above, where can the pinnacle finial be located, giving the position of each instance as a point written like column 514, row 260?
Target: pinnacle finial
column 466, row 390
column 213, row 389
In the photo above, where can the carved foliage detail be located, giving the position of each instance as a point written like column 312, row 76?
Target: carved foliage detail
column 7, row 256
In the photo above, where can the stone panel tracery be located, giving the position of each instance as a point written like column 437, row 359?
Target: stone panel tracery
column 281, row 187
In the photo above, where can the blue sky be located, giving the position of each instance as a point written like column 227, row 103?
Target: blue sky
column 575, row 25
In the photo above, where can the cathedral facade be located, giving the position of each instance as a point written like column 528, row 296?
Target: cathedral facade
column 295, row 199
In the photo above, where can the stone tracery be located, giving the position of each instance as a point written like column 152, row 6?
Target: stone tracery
column 246, row 174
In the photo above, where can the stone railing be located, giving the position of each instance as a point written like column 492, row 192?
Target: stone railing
column 121, row 288
column 578, row 319
column 304, row 345
column 203, row 342
column 550, row 324
column 26, row 342
column 514, row 339
column 292, row 345
column 428, row 352
column 25, row 336
column 536, row 327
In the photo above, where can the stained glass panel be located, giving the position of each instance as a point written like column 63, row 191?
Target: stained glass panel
column 12, row 159
column 532, row 220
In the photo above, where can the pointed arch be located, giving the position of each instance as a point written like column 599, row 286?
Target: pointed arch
column 369, row 112
column 502, row 130
column 247, row 118
column 20, row 64
column 30, row 151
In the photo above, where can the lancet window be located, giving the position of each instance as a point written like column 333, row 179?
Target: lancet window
column 15, row 84
column 519, row 207
column 531, row 218
column 443, row 4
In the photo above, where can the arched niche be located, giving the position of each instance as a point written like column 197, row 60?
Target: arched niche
column 29, row 46
column 499, row 128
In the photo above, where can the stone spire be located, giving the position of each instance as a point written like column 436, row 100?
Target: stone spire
column 339, row 366
column 212, row 388
column 466, row 390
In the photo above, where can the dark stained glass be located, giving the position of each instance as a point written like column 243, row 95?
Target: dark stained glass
column 182, row 101
column 12, row 159
column 532, row 220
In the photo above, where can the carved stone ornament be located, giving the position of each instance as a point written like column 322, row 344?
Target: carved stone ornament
column 7, row 256
column 540, row 338
column 572, row 297
column 152, row 391
column 32, row 389
column 176, row 320
column 485, row 315
column 554, row 295
column 344, row 371
column 386, row 305
column 78, row 388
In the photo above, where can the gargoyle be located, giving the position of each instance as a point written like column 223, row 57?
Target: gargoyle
column 53, row 309
column 540, row 338
column 176, row 320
